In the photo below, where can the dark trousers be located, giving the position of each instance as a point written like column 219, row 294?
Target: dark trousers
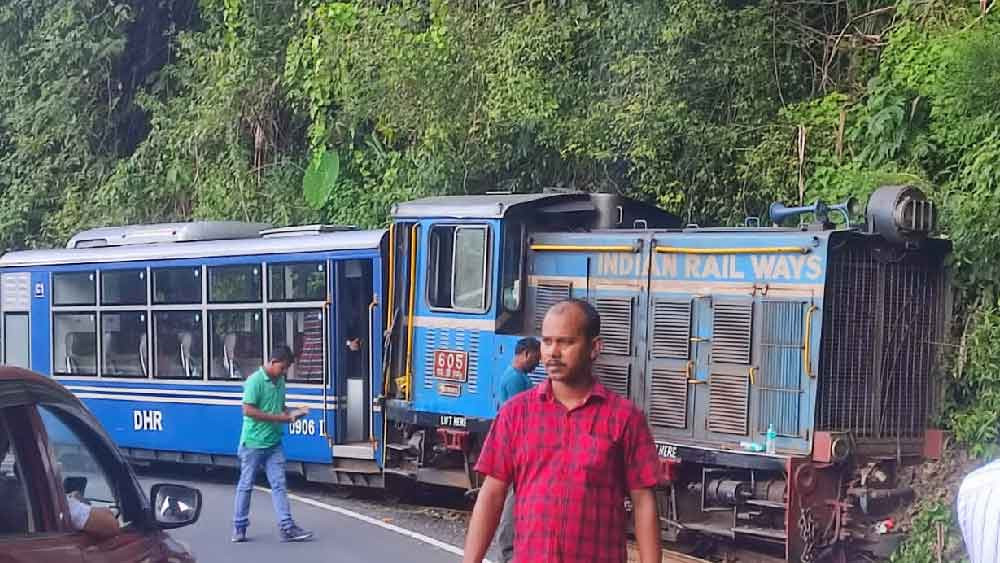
column 505, row 534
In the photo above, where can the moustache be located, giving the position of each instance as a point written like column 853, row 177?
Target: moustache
column 554, row 363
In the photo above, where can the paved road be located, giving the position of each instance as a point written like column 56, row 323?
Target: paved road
column 339, row 538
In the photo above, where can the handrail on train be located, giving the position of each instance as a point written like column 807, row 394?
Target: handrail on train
column 390, row 317
column 584, row 248
column 806, row 350
column 739, row 250
column 408, row 377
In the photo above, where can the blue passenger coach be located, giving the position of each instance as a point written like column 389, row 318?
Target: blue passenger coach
column 156, row 326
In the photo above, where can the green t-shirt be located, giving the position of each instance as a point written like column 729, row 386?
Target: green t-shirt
column 267, row 395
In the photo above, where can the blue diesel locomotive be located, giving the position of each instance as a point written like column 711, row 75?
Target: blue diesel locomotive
column 826, row 336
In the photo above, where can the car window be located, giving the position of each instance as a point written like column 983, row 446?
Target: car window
column 16, row 516
column 78, row 465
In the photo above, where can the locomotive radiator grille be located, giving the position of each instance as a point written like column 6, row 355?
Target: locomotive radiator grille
column 727, row 403
column 668, row 402
column 779, row 385
column 452, row 339
column 671, row 329
column 731, row 325
column 616, row 324
column 547, row 294
column 616, row 377
column 881, row 323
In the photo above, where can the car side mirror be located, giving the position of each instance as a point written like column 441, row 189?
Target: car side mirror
column 175, row 506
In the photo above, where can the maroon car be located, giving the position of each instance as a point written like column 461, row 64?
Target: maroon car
column 55, row 457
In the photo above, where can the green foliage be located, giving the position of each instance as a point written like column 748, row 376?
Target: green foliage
column 932, row 524
column 320, row 178
column 312, row 110
column 59, row 106
column 976, row 385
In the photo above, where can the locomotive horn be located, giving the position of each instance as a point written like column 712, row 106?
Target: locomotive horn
column 779, row 212
column 850, row 208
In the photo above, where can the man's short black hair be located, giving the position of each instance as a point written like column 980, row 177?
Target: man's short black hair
column 592, row 319
column 283, row 355
column 529, row 344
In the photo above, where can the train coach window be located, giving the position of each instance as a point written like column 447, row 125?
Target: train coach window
column 74, row 343
column 123, row 344
column 178, row 344
column 123, row 287
column 234, row 284
column 302, row 331
column 177, row 285
column 74, row 288
column 236, row 343
column 304, row 281
column 456, row 278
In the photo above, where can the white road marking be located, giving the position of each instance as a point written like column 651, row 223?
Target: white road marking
column 375, row 522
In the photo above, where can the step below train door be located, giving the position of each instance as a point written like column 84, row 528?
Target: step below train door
column 352, row 362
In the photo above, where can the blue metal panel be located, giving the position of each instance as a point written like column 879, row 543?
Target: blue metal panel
column 446, row 330
column 41, row 323
column 166, row 416
column 694, row 266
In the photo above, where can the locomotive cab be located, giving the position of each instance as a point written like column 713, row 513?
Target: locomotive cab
column 457, row 305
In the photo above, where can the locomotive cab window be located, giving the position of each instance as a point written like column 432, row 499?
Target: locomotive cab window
column 456, row 277
column 513, row 260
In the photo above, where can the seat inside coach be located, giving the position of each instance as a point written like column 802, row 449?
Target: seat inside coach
column 235, row 355
column 81, row 352
column 122, row 359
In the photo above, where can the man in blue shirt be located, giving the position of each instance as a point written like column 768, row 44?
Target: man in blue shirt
column 515, row 380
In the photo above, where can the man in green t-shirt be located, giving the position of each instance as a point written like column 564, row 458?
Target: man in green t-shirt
column 264, row 414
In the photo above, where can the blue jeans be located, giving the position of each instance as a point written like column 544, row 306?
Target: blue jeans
column 273, row 460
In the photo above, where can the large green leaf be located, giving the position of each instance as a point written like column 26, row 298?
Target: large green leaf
column 321, row 177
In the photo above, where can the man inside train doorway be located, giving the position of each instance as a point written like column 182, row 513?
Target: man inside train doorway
column 264, row 417
column 573, row 450
column 515, row 380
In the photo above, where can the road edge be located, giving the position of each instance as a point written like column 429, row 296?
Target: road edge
column 375, row 522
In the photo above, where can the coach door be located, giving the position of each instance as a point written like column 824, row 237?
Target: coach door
column 15, row 307
column 353, row 343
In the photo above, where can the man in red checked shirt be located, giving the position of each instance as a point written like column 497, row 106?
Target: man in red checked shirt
column 572, row 449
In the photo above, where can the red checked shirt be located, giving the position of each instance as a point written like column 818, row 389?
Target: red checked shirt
column 571, row 471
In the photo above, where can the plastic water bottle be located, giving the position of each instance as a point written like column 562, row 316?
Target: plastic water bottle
column 769, row 442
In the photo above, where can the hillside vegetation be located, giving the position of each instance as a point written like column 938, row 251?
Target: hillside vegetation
column 294, row 111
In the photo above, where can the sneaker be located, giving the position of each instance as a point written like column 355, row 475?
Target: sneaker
column 239, row 535
column 295, row 533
